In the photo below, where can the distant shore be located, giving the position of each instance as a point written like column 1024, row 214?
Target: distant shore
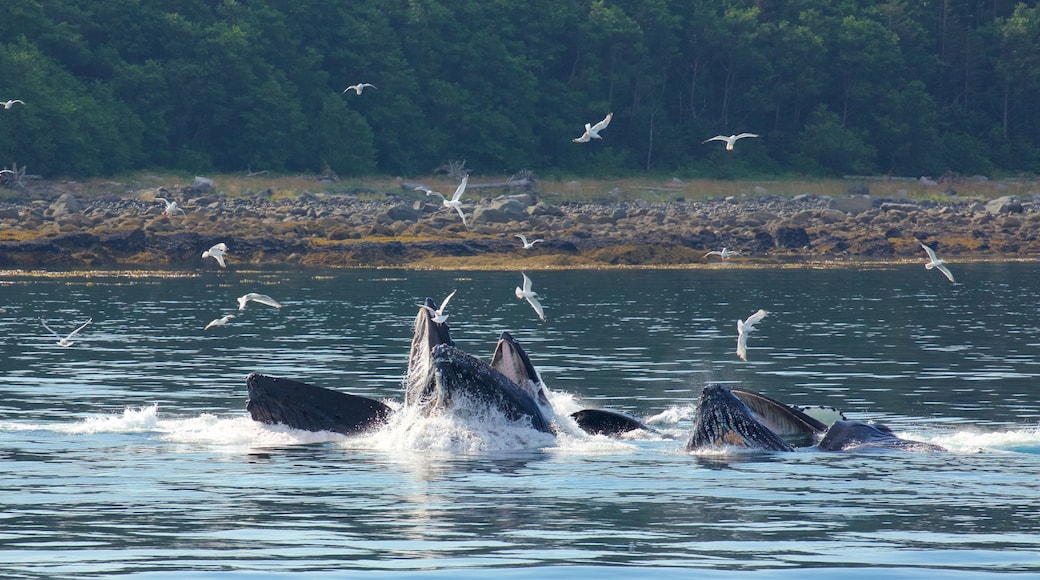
column 57, row 226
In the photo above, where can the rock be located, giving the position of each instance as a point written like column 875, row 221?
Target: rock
column 788, row 237
column 203, row 185
column 501, row 210
column 403, row 212
column 1004, row 205
column 854, row 204
column 63, row 206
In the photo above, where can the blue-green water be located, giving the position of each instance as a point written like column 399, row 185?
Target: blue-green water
column 130, row 453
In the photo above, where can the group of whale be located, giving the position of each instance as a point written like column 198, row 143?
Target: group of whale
column 439, row 374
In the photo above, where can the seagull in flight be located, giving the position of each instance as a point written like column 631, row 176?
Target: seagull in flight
column 217, row 253
column 592, row 131
column 527, row 293
column 527, row 245
column 66, row 341
column 9, row 104
column 258, row 298
column 358, row 88
column 724, row 254
column 171, row 206
column 935, row 262
column 729, row 140
column 744, row 327
column 456, row 200
column 219, row 321
column 438, row 315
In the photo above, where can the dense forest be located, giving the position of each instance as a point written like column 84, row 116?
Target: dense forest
column 907, row 87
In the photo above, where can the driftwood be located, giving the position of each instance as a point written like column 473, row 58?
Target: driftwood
column 13, row 178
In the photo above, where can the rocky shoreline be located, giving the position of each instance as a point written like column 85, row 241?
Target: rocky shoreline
column 55, row 226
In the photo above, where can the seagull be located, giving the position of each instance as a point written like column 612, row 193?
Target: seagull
column 744, row 327
column 438, row 315
column 724, row 254
column 527, row 245
column 729, row 140
column 592, row 131
column 67, row 341
column 526, row 293
column 455, row 201
column 9, row 104
column 219, row 321
column 935, row 262
column 260, row 298
column 358, row 88
column 217, row 253
column 171, row 206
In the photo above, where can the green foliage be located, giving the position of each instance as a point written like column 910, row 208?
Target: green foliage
column 843, row 87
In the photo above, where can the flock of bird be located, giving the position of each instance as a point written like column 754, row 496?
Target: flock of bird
column 523, row 292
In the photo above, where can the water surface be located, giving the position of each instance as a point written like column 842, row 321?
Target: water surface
column 131, row 454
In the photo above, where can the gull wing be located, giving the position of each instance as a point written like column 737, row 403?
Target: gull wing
column 50, row 329
column 461, row 189
column 945, row 271
column 445, row 303
column 537, row 306
column 717, row 138
column 931, row 253
column 742, row 135
column 528, row 285
column 81, row 327
column 754, row 319
column 602, row 124
column 461, row 215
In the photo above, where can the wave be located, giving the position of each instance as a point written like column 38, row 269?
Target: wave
column 470, row 428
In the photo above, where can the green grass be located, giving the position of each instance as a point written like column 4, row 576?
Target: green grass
column 577, row 189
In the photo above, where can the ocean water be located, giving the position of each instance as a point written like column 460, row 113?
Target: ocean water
column 130, row 453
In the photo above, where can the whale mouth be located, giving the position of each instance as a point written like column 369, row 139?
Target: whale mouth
column 426, row 336
column 723, row 419
column 511, row 360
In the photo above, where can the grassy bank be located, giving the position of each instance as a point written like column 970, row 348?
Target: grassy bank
column 577, row 189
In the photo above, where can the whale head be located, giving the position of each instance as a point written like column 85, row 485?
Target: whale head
column 722, row 419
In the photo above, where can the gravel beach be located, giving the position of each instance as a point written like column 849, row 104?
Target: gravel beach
column 51, row 225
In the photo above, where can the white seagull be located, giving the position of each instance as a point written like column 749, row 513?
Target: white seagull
column 744, row 327
column 219, row 321
column 171, row 206
column 9, row 104
column 527, row 245
column 259, row 298
column 935, row 262
column 592, row 131
column 729, row 140
column 217, row 253
column 358, row 88
column 527, row 293
column 724, row 254
column 456, row 200
column 66, row 341
column 438, row 315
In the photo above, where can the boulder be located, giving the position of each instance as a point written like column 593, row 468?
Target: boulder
column 63, row 206
column 1004, row 205
column 203, row 185
column 791, row 237
column 501, row 210
column 853, row 204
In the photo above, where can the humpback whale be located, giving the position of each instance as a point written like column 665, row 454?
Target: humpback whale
column 743, row 418
column 438, row 374
column 858, row 435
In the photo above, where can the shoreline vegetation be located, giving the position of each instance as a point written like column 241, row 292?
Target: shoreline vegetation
column 322, row 221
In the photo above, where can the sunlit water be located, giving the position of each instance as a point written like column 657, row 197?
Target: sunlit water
column 131, row 454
